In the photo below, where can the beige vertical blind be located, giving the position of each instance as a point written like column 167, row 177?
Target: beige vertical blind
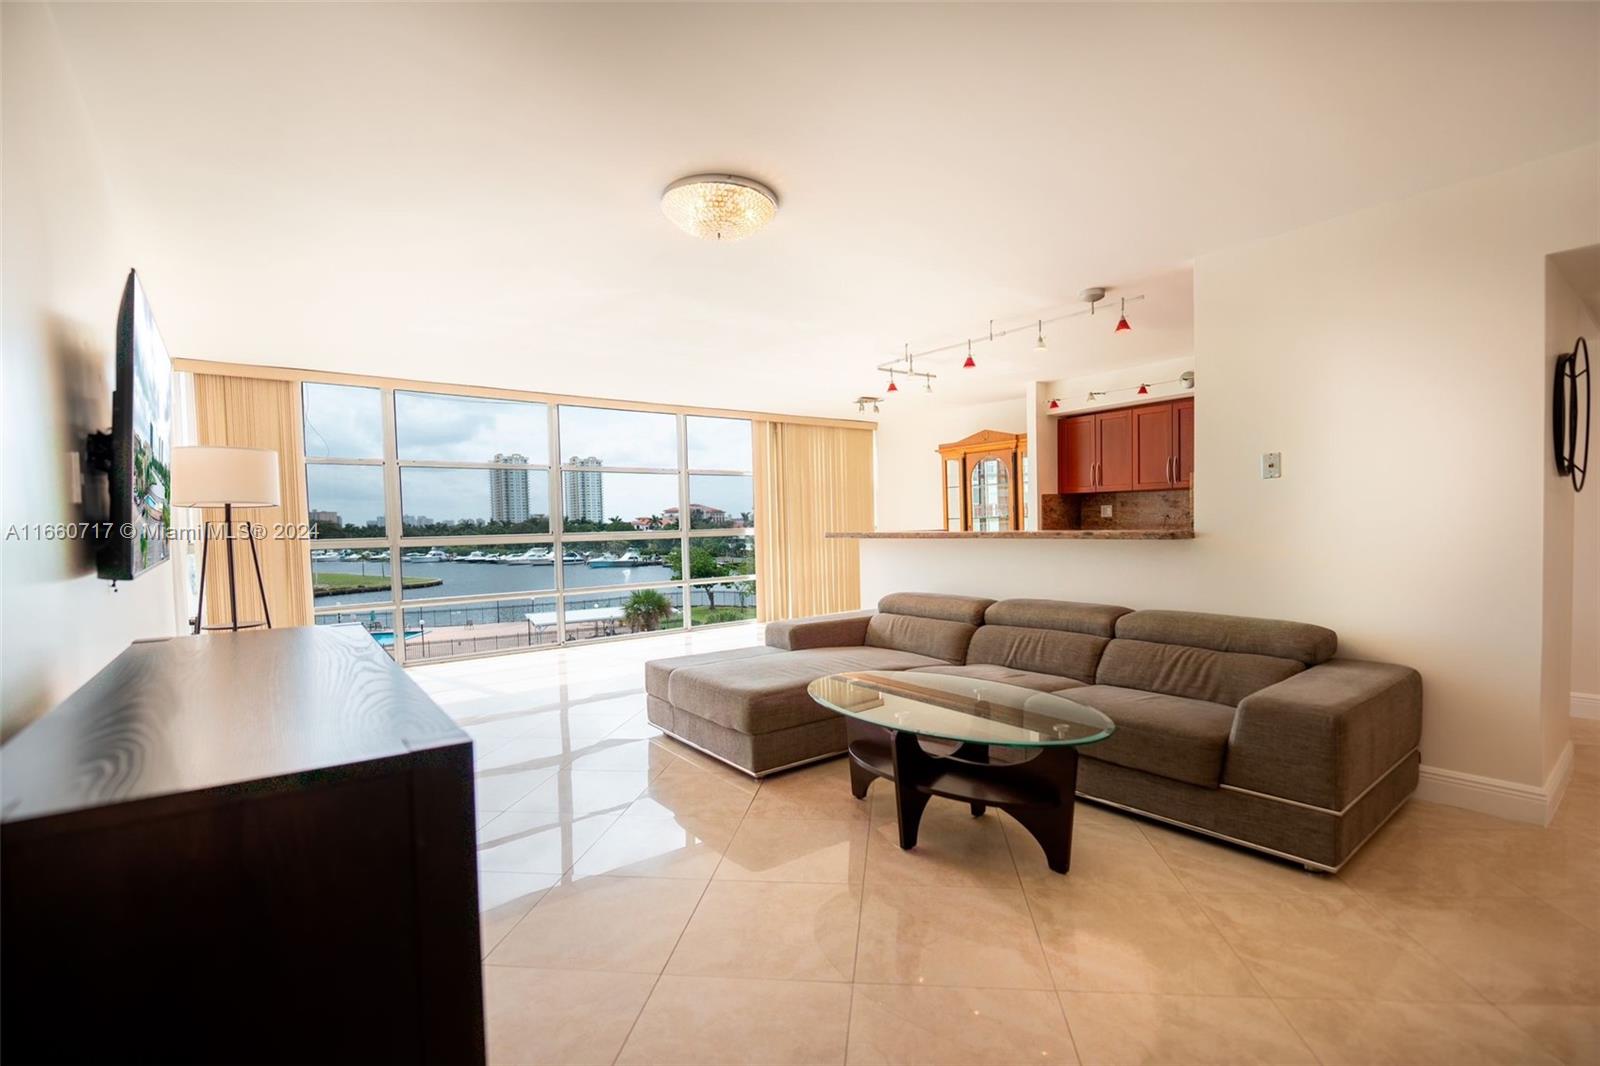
column 253, row 413
column 809, row 481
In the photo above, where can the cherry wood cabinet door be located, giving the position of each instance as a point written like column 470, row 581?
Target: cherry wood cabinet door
column 1183, row 450
column 1114, row 437
column 1075, row 460
column 1154, row 429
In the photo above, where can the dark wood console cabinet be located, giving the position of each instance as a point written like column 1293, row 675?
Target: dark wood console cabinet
column 1132, row 448
column 241, row 847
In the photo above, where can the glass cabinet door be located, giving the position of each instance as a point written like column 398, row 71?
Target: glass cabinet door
column 952, row 494
column 990, row 486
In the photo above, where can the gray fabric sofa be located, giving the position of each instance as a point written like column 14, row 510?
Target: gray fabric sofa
column 1244, row 728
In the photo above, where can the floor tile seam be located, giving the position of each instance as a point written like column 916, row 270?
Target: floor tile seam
column 1277, row 1009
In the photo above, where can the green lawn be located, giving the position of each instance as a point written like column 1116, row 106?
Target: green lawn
column 330, row 584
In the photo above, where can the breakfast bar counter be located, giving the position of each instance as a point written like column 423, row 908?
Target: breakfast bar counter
column 1019, row 534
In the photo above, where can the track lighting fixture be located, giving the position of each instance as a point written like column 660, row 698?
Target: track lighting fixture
column 1184, row 380
column 864, row 402
column 905, row 363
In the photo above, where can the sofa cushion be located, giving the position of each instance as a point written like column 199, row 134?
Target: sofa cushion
column 1005, row 675
column 1194, row 673
column 1170, row 736
column 933, row 637
column 657, row 671
column 767, row 693
column 819, row 631
column 1094, row 619
column 1046, row 651
column 968, row 609
column 1305, row 644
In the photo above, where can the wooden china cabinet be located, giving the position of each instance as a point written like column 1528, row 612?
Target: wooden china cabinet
column 985, row 481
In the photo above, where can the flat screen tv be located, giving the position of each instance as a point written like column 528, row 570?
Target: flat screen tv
column 141, row 444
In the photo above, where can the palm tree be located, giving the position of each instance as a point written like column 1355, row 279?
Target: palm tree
column 645, row 610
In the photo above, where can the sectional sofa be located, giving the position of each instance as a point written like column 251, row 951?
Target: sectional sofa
column 1247, row 729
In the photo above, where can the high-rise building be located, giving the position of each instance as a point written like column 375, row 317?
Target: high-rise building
column 508, row 491
column 583, row 494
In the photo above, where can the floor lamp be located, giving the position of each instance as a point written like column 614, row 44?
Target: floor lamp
column 227, row 478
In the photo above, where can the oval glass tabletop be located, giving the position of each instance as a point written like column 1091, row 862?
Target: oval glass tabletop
column 966, row 709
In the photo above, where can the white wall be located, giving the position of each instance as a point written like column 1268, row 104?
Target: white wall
column 64, row 271
column 1568, row 317
column 1394, row 357
column 1565, row 318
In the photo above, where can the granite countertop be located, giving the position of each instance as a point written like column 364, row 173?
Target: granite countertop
column 1020, row 534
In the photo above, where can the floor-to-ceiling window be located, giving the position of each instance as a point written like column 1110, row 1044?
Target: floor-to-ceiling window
column 453, row 525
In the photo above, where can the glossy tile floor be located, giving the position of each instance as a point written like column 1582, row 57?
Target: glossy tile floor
column 644, row 904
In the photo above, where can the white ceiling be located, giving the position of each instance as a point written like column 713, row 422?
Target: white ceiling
column 469, row 193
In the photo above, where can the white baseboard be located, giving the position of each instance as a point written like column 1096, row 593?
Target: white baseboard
column 1511, row 800
column 1586, row 705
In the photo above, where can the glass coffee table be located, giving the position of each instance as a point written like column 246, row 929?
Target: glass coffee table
column 934, row 735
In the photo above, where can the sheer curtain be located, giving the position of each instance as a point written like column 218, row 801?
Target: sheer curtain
column 255, row 413
column 810, row 481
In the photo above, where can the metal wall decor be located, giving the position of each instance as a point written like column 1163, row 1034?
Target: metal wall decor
column 1565, row 413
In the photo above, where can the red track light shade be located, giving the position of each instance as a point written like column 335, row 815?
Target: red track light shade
column 969, row 364
column 1144, row 390
column 892, row 386
column 1122, row 322
column 1055, row 405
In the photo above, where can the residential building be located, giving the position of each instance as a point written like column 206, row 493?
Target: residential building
column 508, row 490
column 584, row 490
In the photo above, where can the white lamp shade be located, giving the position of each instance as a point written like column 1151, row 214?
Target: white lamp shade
column 213, row 477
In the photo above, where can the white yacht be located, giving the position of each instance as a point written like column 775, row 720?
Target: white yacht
column 535, row 556
column 627, row 558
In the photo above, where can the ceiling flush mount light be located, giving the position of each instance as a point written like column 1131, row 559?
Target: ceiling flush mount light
column 719, row 207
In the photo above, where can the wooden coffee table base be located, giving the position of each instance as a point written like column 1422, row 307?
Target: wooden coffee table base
column 1038, row 793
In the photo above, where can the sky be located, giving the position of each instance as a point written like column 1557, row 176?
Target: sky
column 346, row 422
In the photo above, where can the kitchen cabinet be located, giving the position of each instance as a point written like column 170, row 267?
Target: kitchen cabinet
column 1075, row 460
column 1150, row 446
column 1183, row 420
column 1113, row 431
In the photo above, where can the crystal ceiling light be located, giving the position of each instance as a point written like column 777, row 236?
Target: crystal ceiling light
column 719, row 207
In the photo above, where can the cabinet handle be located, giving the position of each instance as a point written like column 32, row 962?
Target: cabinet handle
column 1171, row 474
